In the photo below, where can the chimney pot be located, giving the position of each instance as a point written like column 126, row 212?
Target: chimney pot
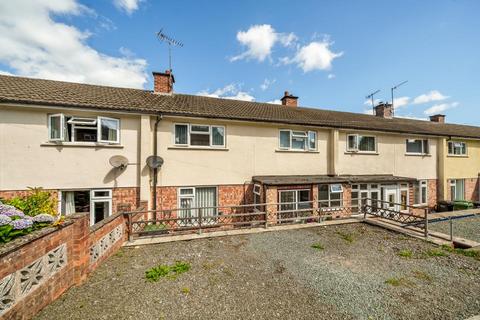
column 289, row 100
column 384, row 110
column 439, row 118
column 163, row 82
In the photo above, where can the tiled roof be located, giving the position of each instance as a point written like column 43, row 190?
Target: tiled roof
column 316, row 179
column 59, row 93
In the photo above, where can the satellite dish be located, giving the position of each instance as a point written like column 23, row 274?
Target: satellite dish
column 118, row 161
column 154, row 162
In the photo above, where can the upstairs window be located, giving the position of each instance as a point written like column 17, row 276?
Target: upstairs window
column 82, row 129
column 297, row 140
column 456, row 148
column 417, row 146
column 360, row 143
column 199, row 135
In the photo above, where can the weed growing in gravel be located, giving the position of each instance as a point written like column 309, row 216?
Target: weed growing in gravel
column 405, row 253
column 348, row 237
column 436, row 253
column 422, row 276
column 318, row 246
column 185, row 290
column 155, row 273
column 396, row 282
column 468, row 253
column 119, row 253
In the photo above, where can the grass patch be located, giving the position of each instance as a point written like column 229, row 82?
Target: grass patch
column 405, row 253
column 435, row 252
column 421, row 275
column 397, row 282
column 348, row 237
column 154, row 274
column 446, row 247
column 469, row 253
column 317, row 246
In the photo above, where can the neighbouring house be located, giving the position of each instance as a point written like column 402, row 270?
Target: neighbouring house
column 218, row 152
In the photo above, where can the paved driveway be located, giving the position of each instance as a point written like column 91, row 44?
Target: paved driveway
column 362, row 272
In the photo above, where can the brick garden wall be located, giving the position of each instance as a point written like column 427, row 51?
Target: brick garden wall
column 37, row 268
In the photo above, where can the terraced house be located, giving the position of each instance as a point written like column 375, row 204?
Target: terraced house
column 217, row 152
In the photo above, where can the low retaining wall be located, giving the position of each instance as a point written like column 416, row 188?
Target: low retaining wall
column 37, row 268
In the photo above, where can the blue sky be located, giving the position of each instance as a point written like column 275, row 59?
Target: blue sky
column 329, row 53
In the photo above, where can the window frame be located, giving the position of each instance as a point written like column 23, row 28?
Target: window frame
column 453, row 154
column 62, row 127
column 356, row 148
column 306, row 136
column 99, row 130
column 418, row 189
column 209, row 133
column 330, row 192
column 296, row 196
column 453, row 183
column 423, row 152
column 94, row 200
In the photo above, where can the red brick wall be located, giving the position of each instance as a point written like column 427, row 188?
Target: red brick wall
column 125, row 199
column 432, row 193
column 25, row 252
column 471, row 189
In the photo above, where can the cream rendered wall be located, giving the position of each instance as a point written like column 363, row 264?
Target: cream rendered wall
column 463, row 166
column 26, row 160
column 251, row 149
column 391, row 158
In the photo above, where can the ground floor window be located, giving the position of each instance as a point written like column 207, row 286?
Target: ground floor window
column 194, row 202
column 404, row 196
column 257, row 197
column 457, row 189
column 97, row 202
column 293, row 200
column 330, row 195
column 420, row 192
column 365, row 191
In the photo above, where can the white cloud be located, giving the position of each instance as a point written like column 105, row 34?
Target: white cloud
column 331, row 76
column 129, row 6
column 267, row 83
column 368, row 111
column 314, row 56
column 231, row 91
column 260, row 40
column 276, row 101
column 400, row 102
column 33, row 44
column 437, row 108
column 433, row 95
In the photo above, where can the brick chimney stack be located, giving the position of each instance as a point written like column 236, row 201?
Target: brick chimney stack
column 289, row 100
column 163, row 82
column 440, row 118
column 384, row 110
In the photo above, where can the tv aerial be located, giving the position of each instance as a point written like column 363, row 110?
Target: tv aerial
column 395, row 88
column 370, row 96
column 119, row 162
column 171, row 42
column 154, row 162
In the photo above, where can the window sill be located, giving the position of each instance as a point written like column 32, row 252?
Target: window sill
column 81, row 145
column 418, row 154
column 197, row 148
column 297, row 151
column 362, row 153
column 457, row 155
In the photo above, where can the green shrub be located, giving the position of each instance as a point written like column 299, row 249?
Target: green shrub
column 38, row 201
column 436, row 253
column 154, row 274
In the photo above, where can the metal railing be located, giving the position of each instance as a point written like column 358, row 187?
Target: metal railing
column 407, row 215
column 199, row 219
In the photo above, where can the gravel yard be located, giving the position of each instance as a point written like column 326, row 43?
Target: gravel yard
column 355, row 271
column 468, row 228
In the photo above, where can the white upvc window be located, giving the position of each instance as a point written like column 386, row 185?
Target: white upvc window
column 420, row 190
column 108, row 130
column 330, row 195
column 56, row 127
column 457, row 189
column 361, row 143
column 199, row 135
column 67, row 128
column 457, row 148
column 204, row 199
column 417, row 146
column 297, row 140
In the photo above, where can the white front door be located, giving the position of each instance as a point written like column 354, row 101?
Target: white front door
column 391, row 193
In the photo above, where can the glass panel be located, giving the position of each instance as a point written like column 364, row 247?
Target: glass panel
column 403, row 199
column 197, row 128
column 100, row 210
column 312, row 140
column 98, row 194
column 414, row 146
column 109, row 129
column 199, row 139
column 323, row 192
column 181, row 131
column 352, row 142
column 424, row 194
column 186, row 191
column 55, row 127
column 460, row 191
column 218, row 136
column 417, row 193
column 299, row 143
column 366, row 143
column 303, row 199
column 186, row 204
column 335, row 188
column 287, row 197
column 374, row 197
column 450, row 148
column 285, row 139
column 426, row 149
column 336, row 199
column 206, row 198
column 85, row 134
